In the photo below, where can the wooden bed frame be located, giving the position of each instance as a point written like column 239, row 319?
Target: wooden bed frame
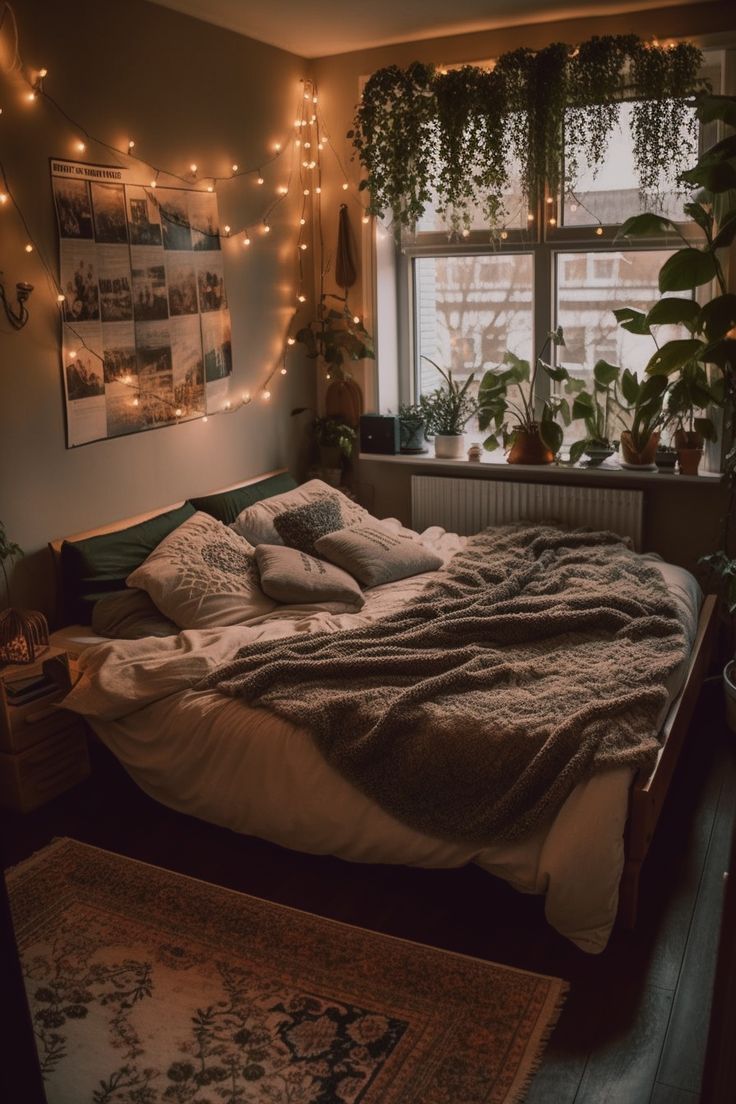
column 648, row 791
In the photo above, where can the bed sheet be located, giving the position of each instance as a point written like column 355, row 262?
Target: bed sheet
column 246, row 769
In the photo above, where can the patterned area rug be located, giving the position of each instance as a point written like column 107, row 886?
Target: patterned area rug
column 148, row 986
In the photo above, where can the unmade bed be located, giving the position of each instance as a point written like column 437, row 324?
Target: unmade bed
column 250, row 769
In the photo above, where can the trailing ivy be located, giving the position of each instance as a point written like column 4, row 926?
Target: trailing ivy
column 457, row 135
column 662, row 79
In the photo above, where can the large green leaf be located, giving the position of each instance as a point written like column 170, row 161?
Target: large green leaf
column 673, row 355
column 713, row 108
column 519, row 369
column 705, row 427
column 718, row 177
column 672, row 312
column 605, row 374
column 583, row 406
column 632, row 320
column 721, row 352
column 629, row 386
column 645, row 226
column 718, row 316
column 577, row 448
column 558, row 374
column 687, row 269
column 700, row 215
column 727, row 232
column 552, row 434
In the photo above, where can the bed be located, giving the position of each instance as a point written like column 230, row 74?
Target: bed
column 248, row 769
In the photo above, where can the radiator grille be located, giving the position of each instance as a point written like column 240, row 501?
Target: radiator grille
column 468, row 505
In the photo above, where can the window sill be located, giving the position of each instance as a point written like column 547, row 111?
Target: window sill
column 493, row 467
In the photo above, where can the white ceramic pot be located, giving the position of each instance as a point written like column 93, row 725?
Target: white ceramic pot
column 729, row 689
column 449, row 446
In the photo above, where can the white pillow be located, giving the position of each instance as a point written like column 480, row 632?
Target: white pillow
column 203, row 575
column 255, row 523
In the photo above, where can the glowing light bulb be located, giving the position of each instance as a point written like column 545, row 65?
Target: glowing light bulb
column 553, row 221
column 356, row 319
column 297, row 123
column 504, row 235
column 302, row 221
column 136, row 402
column 530, row 217
column 265, row 395
column 246, row 397
column 306, row 191
column 210, row 187
column 318, row 190
column 297, row 142
column 61, row 298
column 177, row 412
column 283, row 371
column 306, row 95
column 227, row 405
column 302, row 298
column 549, row 200
column 29, row 247
column 320, row 145
column 327, row 375
column 599, row 231
column 193, row 167
column 31, row 96
column 314, row 99
column 131, row 144
column 305, row 164
column 312, row 164
column 204, row 419
column 291, row 341
column 153, row 183
column 365, row 220
column 573, row 206
column 259, row 180
column 303, row 245
column 266, row 228
column 81, row 146
column 345, row 186
column 43, row 73
column 277, row 146
column 3, row 197
column 72, row 354
column 246, row 241
column 283, row 190
column 235, row 168
column 307, row 145
column 312, row 119
column 466, row 233
column 226, row 229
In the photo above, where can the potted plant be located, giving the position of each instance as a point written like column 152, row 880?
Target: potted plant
column 690, row 393
column 594, row 409
column 644, row 399
column 333, row 441
column 446, row 411
column 532, row 438
column 412, row 426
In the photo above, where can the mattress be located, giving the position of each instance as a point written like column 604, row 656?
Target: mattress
column 244, row 768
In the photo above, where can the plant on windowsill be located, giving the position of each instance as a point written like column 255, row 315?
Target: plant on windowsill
column 531, row 438
column 334, row 443
column 595, row 408
column 643, row 415
column 412, row 428
column 446, row 411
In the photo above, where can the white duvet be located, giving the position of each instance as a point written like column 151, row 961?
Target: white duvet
column 244, row 768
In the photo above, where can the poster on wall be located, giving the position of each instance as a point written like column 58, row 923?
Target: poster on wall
column 146, row 326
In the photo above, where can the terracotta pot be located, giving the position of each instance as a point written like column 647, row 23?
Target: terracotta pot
column 688, row 439
column 688, row 460
column 644, row 457
column 449, row 446
column 529, row 448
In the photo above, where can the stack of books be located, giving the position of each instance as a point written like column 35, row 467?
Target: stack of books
column 19, row 691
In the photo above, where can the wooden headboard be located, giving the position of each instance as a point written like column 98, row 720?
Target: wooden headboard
column 125, row 523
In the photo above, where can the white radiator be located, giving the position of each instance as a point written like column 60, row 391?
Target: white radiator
column 468, row 505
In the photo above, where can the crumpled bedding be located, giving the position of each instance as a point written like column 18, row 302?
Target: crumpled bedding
column 244, row 768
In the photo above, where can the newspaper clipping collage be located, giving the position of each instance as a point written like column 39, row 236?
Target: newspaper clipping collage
column 147, row 339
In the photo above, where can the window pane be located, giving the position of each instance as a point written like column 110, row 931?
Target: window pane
column 513, row 217
column 469, row 310
column 612, row 195
column 589, row 287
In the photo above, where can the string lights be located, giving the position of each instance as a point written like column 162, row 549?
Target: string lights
column 306, row 126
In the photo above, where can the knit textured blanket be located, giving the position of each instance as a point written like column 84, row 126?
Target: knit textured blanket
column 536, row 658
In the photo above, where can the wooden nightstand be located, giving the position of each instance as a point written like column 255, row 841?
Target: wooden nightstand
column 43, row 749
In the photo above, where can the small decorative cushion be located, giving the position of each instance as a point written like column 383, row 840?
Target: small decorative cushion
column 203, row 575
column 302, row 526
column 288, row 575
column 129, row 615
column 375, row 554
column 226, row 505
column 96, row 566
column 255, row 523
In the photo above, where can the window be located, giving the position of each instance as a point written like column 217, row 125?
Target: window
column 468, row 300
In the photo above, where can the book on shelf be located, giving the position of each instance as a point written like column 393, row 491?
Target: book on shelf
column 22, row 690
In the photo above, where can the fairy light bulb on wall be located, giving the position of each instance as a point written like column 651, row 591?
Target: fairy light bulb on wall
column 277, row 146
column 153, row 183
column 193, row 168
column 345, row 186
column 265, row 395
column 28, row 247
column 302, row 298
column 226, row 229
column 72, row 354
column 61, row 298
column 283, row 371
column 235, row 168
column 210, row 187
column 291, row 341
column 3, row 198
column 365, row 220
column 259, row 179
column 599, row 231
column 131, row 144
column 266, row 228
column 246, row 241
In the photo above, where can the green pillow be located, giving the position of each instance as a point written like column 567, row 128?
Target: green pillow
column 226, row 505
column 97, row 566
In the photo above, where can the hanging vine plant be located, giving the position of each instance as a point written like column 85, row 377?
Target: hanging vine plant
column 662, row 79
column 457, row 134
column 394, row 138
column 595, row 85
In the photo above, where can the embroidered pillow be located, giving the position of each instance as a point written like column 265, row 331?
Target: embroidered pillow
column 255, row 523
column 203, row 575
column 291, row 576
column 375, row 554
column 302, row 526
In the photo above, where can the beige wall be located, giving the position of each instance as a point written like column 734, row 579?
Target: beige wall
column 185, row 91
column 386, row 487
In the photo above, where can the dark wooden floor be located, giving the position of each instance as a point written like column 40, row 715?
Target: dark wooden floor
column 635, row 1024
